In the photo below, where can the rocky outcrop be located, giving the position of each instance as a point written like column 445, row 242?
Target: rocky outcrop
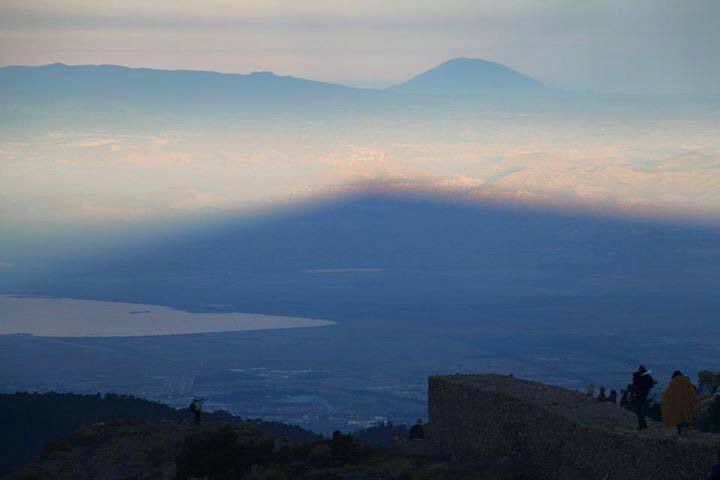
column 560, row 434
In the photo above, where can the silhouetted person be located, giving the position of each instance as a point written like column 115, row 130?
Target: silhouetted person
column 642, row 383
column 342, row 447
column 197, row 410
column 679, row 402
column 612, row 398
column 708, row 409
column 590, row 392
column 601, row 396
column 626, row 396
column 417, row 432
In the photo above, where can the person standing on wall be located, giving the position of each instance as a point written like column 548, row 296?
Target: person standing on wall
column 642, row 383
column 417, row 432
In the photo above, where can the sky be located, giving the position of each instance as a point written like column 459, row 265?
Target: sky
column 643, row 46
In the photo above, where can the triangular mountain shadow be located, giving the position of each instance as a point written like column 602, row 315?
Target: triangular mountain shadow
column 400, row 256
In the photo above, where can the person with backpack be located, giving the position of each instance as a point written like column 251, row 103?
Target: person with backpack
column 642, row 383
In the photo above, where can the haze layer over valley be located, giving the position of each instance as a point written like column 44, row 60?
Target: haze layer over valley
column 472, row 218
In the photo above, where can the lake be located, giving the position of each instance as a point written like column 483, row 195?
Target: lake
column 66, row 317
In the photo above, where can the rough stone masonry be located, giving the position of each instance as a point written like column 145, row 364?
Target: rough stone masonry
column 561, row 433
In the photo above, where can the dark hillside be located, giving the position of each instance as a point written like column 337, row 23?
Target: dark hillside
column 31, row 421
column 138, row 451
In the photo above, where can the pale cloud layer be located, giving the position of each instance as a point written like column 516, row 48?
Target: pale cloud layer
column 668, row 165
column 610, row 45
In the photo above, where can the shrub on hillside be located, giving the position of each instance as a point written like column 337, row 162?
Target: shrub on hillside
column 218, row 455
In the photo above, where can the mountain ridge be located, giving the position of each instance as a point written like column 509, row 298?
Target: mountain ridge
column 126, row 68
column 467, row 74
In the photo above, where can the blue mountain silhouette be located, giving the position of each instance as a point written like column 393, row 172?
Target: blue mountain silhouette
column 112, row 83
column 461, row 75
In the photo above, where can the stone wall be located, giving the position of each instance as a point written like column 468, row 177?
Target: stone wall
column 563, row 434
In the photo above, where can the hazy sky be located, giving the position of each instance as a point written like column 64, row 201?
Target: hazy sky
column 638, row 46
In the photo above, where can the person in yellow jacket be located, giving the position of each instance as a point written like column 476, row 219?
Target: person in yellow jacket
column 679, row 402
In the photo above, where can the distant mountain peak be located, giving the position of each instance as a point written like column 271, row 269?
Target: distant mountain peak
column 263, row 73
column 469, row 74
column 469, row 61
